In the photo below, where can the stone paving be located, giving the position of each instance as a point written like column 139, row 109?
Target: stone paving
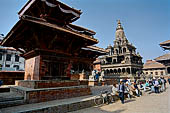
column 149, row 103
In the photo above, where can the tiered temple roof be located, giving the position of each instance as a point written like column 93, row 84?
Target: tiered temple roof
column 165, row 45
column 163, row 57
column 54, row 18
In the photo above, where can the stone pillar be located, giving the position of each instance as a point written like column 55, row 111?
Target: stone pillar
column 92, row 81
column 32, row 68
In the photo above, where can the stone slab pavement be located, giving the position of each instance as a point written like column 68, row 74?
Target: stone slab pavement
column 149, row 103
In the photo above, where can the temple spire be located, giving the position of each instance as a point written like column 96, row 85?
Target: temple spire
column 120, row 35
column 119, row 26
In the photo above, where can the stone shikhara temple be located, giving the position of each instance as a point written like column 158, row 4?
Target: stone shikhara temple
column 122, row 59
column 54, row 50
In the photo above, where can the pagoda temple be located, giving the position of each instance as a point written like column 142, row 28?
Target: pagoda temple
column 122, row 59
column 53, row 47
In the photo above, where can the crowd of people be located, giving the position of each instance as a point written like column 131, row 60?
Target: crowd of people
column 129, row 89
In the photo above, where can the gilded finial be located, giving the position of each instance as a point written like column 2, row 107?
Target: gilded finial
column 119, row 26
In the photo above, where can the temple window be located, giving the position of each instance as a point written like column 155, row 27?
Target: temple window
column 16, row 58
column 109, row 60
column 130, row 50
column 7, row 65
column 8, row 57
column 114, row 61
column 16, row 66
column 116, row 51
column 124, row 50
column 127, row 59
column 0, row 56
column 156, row 73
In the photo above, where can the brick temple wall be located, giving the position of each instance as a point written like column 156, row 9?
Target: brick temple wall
column 9, row 77
column 35, row 84
column 55, row 94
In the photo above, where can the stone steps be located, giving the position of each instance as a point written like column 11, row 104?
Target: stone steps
column 10, row 99
column 56, row 106
column 10, row 103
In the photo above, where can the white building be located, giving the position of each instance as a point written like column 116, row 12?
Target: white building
column 154, row 68
column 10, row 59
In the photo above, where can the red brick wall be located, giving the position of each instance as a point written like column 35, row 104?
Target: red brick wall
column 46, row 83
column 57, row 84
column 10, row 77
column 47, row 95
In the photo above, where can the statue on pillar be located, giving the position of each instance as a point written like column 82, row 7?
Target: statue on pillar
column 101, row 78
column 92, row 77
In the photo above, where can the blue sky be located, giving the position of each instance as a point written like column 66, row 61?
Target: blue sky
column 146, row 22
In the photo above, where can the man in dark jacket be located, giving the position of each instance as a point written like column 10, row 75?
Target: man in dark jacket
column 121, row 90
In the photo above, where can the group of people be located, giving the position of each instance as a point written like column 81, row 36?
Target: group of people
column 132, row 89
column 156, row 85
column 126, row 88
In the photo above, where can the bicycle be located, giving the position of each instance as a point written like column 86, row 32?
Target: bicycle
column 104, row 97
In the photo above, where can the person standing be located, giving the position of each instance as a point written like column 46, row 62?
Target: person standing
column 156, row 86
column 121, row 90
column 136, row 89
column 127, row 90
column 164, row 83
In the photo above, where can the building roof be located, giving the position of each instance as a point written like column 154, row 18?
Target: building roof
column 152, row 64
column 50, row 8
column 99, row 51
column 165, row 45
column 19, row 30
column 165, row 42
column 163, row 57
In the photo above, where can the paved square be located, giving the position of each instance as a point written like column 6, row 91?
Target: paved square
column 149, row 103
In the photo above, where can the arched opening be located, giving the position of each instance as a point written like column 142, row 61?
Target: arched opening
column 124, row 50
column 168, row 70
column 115, row 71
column 119, row 70
column 130, row 50
column 111, row 71
column 128, row 70
column 114, row 61
column 116, row 51
column 107, row 71
column 123, row 70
